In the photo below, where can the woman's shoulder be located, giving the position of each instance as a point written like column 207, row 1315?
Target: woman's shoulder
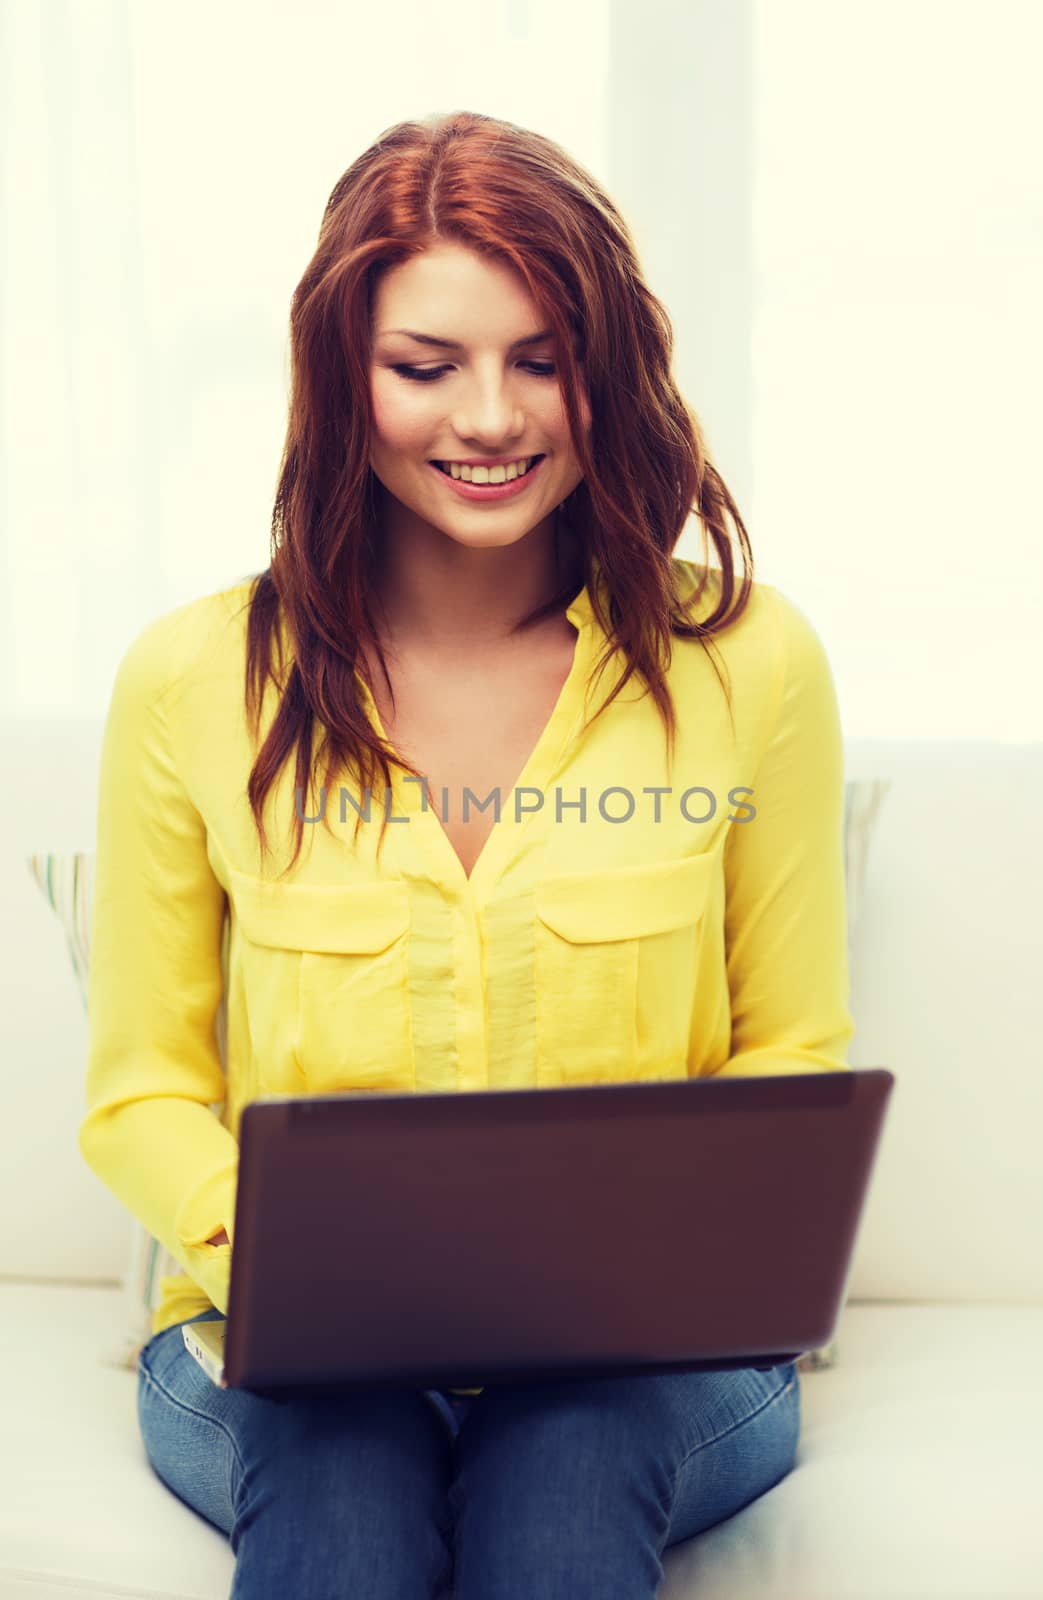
column 769, row 613
column 773, row 640
column 198, row 637
column 700, row 590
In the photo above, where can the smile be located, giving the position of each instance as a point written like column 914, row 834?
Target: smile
column 500, row 474
column 478, row 483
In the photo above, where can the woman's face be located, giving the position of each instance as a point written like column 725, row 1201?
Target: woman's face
column 486, row 395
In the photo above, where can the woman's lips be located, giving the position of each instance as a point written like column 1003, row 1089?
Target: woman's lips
column 489, row 491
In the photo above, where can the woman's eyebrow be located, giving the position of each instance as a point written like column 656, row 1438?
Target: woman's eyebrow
column 453, row 344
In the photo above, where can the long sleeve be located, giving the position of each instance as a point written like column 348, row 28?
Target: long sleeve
column 155, row 983
column 785, row 912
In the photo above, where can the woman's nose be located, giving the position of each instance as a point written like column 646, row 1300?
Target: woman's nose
column 491, row 410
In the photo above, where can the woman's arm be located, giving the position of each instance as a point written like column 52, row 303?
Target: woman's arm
column 786, row 905
column 155, row 981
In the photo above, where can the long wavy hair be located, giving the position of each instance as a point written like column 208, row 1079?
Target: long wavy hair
column 517, row 197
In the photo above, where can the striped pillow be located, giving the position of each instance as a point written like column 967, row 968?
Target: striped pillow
column 67, row 880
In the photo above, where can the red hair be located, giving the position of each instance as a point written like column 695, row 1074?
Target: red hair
column 518, row 198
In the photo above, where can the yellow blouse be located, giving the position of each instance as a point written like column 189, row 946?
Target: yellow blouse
column 621, row 922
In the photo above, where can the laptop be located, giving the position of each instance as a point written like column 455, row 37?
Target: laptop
column 463, row 1239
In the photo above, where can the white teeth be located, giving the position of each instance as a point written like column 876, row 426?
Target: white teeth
column 487, row 474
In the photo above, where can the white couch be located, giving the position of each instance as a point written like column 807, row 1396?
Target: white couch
column 920, row 1470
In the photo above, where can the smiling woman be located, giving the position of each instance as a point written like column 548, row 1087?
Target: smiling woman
column 489, row 406
column 501, row 310
column 474, row 311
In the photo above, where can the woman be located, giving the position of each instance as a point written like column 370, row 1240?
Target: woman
column 645, row 882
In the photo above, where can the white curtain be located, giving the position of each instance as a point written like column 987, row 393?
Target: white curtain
column 898, row 347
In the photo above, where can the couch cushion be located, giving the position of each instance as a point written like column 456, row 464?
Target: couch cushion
column 945, row 993
column 918, row 1474
column 81, row 1510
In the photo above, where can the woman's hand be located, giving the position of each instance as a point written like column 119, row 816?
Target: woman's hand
column 218, row 1238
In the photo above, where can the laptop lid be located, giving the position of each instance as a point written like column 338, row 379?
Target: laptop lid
column 455, row 1240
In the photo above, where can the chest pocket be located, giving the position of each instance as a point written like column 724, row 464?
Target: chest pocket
column 616, row 955
column 325, row 970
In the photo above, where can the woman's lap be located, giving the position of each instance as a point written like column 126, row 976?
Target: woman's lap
column 567, row 1478
column 310, row 1492
column 577, row 1486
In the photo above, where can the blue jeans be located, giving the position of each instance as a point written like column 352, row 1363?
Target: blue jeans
column 569, row 1488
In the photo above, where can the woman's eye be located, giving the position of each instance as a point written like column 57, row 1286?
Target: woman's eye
column 539, row 369
column 419, row 374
